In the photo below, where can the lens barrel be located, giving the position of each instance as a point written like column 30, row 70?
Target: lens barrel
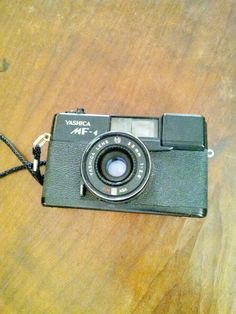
column 116, row 166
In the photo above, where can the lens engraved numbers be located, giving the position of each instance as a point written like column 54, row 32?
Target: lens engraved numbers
column 140, row 171
column 123, row 190
column 134, row 148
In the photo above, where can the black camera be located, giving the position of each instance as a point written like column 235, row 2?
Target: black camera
column 155, row 165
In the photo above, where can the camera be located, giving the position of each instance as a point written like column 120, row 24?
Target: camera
column 154, row 165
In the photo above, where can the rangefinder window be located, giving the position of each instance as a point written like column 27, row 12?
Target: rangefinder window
column 139, row 127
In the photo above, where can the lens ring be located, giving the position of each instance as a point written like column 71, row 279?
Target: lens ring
column 130, row 187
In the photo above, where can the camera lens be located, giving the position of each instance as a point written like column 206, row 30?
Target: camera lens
column 116, row 167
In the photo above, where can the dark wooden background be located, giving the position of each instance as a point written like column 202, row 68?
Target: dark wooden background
column 120, row 57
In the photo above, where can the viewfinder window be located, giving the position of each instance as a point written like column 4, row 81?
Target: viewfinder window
column 139, row 127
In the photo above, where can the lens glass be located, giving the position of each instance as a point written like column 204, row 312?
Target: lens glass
column 116, row 167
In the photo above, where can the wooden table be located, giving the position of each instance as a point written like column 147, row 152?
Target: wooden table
column 120, row 57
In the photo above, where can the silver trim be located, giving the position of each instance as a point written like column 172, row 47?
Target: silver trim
column 120, row 198
column 35, row 165
column 210, row 153
column 84, row 114
column 182, row 114
column 81, row 190
column 42, row 139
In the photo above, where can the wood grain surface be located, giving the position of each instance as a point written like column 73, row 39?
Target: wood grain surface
column 116, row 57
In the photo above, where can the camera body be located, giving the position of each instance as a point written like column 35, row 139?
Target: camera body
column 155, row 165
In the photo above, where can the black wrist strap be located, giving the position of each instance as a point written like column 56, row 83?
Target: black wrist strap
column 33, row 168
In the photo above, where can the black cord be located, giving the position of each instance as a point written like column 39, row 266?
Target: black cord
column 25, row 163
column 18, row 168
